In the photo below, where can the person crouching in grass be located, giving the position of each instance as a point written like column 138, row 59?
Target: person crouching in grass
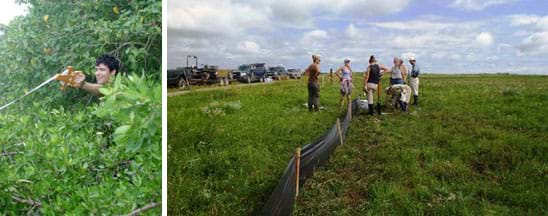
column 402, row 94
column 106, row 67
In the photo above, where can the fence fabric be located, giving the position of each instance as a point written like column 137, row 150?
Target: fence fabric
column 313, row 155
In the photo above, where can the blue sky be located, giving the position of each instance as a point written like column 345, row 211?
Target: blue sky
column 446, row 36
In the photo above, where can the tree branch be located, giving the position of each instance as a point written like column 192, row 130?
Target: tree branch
column 144, row 208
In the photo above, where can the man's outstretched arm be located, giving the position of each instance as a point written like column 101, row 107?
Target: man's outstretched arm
column 92, row 88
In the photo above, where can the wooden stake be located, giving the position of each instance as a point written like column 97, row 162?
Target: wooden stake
column 297, row 170
column 350, row 108
column 339, row 131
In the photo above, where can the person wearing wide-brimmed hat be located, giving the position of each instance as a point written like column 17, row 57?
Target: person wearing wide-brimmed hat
column 414, row 80
column 313, row 72
column 344, row 74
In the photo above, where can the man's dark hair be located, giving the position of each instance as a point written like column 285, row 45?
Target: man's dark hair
column 110, row 61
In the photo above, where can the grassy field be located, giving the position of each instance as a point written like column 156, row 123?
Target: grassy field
column 477, row 146
column 228, row 148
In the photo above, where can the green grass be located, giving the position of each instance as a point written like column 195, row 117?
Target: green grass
column 172, row 89
column 479, row 145
column 227, row 149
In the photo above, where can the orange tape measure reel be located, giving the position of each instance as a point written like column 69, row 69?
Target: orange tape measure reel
column 68, row 78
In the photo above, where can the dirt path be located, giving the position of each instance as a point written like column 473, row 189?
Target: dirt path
column 169, row 94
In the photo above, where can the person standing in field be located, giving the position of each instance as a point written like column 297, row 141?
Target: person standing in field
column 414, row 80
column 344, row 74
column 398, row 72
column 371, row 80
column 313, row 72
column 398, row 75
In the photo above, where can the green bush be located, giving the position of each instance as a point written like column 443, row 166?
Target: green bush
column 66, row 152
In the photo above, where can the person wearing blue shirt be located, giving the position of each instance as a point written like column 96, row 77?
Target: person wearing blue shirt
column 414, row 80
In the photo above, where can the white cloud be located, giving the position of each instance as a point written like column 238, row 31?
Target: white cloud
column 249, row 47
column 536, row 43
column 9, row 10
column 530, row 20
column 426, row 40
column 367, row 8
column 316, row 35
column 214, row 18
column 298, row 10
column 233, row 32
column 427, row 33
column 484, row 39
column 407, row 55
column 523, row 19
column 355, row 34
column 535, row 40
column 472, row 5
column 291, row 13
column 414, row 25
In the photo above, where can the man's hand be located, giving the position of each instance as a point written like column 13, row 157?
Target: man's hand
column 80, row 79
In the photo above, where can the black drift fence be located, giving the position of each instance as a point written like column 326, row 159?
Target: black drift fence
column 302, row 165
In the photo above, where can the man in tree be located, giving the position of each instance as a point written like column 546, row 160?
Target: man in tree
column 106, row 67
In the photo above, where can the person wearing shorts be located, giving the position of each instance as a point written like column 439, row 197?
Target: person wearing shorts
column 397, row 76
column 371, row 80
column 344, row 74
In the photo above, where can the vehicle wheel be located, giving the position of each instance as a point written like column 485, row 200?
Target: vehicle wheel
column 182, row 84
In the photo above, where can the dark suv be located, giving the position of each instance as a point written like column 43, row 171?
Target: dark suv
column 255, row 73
column 277, row 73
column 242, row 70
column 294, row 73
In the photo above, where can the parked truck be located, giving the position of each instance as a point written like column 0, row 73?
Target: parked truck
column 183, row 77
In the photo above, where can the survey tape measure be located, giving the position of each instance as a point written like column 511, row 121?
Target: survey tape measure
column 66, row 78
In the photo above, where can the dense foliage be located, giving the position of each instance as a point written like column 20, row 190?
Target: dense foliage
column 69, row 152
